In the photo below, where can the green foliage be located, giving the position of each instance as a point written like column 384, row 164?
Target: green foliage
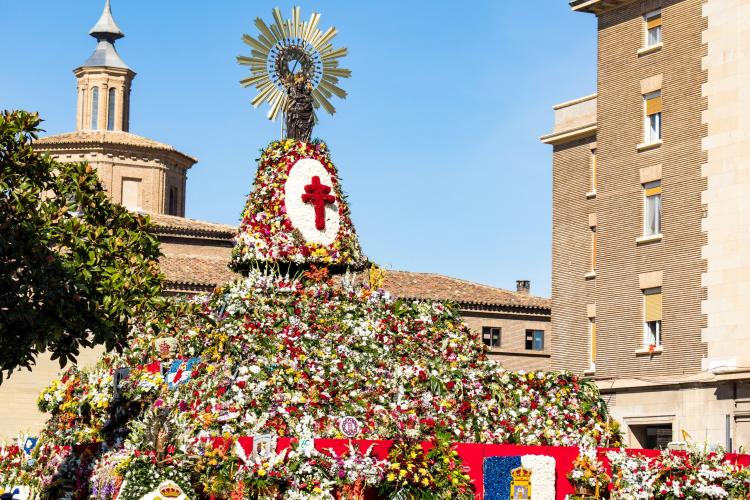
column 74, row 267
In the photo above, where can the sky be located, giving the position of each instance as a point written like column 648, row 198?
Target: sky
column 437, row 144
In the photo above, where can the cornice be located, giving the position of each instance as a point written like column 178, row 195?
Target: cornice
column 597, row 6
column 569, row 135
column 49, row 145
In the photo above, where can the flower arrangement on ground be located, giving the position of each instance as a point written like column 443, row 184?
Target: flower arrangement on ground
column 696, row 473
column 418, row 473
column 588, row 476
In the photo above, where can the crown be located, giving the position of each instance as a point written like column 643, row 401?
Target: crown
column 170, row 491
column 521, row 474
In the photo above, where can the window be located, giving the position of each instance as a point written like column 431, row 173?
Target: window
column 652, row 437
column 131, row 194
column 592, row 342
column 491, row 336
column 593, row 248
column 534, row 340
column 172, row 201
column 593, row 170
column 652, row 208
column 653, row 28
column 111, row 109
column 653, row 123
column 652, row 317
column 95, row 108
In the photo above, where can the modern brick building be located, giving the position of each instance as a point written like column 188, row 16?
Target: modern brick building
column 150, row 177
column 651, row 220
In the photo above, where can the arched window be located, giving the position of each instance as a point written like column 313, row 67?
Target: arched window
column 95, row 108
column 172, row 201
column 111, row 109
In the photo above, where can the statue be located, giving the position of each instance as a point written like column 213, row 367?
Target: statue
column 300, row 116
column 294, row 67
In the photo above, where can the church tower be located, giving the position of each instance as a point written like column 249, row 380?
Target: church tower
column 139, row 173
column 104, row 81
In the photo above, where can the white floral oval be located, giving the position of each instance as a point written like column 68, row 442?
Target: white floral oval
column 301, row 214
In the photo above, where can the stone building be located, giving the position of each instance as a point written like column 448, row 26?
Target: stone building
column 150, row 177
column 139, row 173
column 651, row 239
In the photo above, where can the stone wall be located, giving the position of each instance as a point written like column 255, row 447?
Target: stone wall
column 727, row 194
column 512, row 353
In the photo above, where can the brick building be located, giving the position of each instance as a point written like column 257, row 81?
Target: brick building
column 139, row 173
column 150, row 177
column 651, row 234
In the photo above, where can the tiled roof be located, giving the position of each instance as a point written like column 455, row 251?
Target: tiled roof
column 201, row 273
column 101, row 137
column 438, row 287
column 170, row 224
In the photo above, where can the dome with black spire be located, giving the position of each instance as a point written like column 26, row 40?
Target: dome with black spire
column 106, row 31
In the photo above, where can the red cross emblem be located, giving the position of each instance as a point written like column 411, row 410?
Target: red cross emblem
column 319, row 195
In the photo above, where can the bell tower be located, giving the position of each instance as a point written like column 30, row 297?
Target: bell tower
column 139, row 173
column 104, row 81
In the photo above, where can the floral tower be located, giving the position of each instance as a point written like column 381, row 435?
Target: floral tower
column 296, row 214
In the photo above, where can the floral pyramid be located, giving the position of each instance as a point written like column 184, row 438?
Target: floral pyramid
column 302, row 355
column 296, row 214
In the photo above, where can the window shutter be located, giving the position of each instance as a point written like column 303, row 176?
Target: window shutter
column 653, row 191
column 653, row 306
column 653, row 22
column 593, row 248
column 653, row 105
column 593, row 341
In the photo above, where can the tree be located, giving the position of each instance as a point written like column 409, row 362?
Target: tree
column 75, row 269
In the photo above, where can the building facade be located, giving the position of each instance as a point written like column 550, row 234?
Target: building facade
column 651, row 237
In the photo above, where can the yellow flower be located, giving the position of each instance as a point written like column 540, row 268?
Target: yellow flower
column 391, row 476
column 402, row 473
column 261, row 472
column 425, row 482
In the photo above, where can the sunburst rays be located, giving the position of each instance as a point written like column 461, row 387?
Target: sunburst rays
column 299, row 42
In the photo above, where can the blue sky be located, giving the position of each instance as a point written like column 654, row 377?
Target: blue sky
column 437, row 144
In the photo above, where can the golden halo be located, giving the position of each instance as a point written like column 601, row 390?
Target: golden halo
column 289, row 46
